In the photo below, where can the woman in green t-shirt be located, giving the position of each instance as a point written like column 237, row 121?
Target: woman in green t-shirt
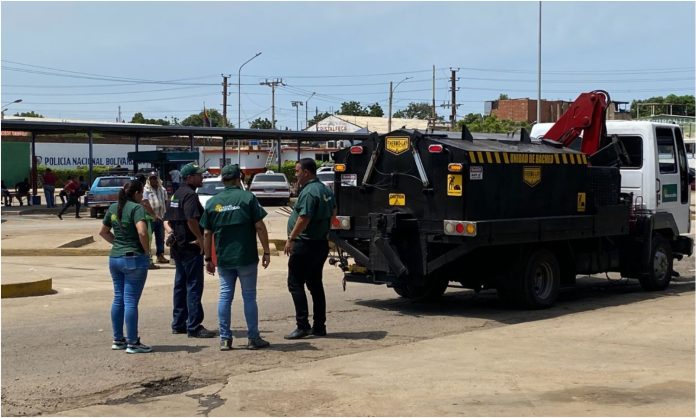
column 128, row 263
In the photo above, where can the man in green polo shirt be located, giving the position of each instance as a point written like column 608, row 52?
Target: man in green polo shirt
column 235, row 217
column 308, row 247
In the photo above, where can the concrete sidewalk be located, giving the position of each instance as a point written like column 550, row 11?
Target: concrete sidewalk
column 590, row 367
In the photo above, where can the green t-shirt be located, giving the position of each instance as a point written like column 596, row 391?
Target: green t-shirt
column 317, row 202
column 232, row 215
column 125, row 233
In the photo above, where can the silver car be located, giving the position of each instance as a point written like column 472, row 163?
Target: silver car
column 327, row 177
column 210, row 187
column 270, row 185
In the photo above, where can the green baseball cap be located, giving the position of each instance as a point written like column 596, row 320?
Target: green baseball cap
column 191, row 169
column 230, row 171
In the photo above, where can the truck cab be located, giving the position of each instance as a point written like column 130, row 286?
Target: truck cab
column 657, row 173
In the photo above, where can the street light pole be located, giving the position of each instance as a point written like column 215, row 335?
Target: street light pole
column 306, row 117
column 239, row 105
column 391, row 95
column 296, row 104
column 2, row 113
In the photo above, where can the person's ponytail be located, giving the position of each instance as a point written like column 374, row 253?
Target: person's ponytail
column 128, row 193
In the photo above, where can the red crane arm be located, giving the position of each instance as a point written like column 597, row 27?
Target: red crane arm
column 586, row 115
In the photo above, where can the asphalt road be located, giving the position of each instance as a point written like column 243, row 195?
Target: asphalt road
column 56, row 349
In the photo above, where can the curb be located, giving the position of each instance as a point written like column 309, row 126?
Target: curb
column 47, row 252
column 21, row 290
column 78, row 242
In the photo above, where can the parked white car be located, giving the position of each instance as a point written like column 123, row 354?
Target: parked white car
column 211, row 186
column 327, row 177
column 271, row 185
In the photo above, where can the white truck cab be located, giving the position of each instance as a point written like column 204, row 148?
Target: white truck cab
column 657, row 174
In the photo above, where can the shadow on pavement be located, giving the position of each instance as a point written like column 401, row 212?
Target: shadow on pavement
column 288, row 347
column 364, row 335
column 586, row 296
column 174, row 348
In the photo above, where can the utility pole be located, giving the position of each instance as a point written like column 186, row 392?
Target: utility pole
column 296, row 104
column 453, row 80
column 306, row 109
column 224, row 99
column 433, row 113
column 119, row 115
column 538, row 107
column 273, row 84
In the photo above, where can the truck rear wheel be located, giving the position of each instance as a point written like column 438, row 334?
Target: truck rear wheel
column 92, row 212
column 535, row 282
column 659, row 272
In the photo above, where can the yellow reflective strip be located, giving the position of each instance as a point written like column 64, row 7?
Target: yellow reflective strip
column 497, row 157
column 506, row 158
column 565, row 159
column 555, row 157
column 572, row 158
column 480, row 156
column 489, row 157
column 472, row 157
column 584, row 159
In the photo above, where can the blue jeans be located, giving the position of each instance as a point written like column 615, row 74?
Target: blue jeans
column 158, row 229
column 188, row 291
column 50, row 191
column 128, row 274
column 247, row 279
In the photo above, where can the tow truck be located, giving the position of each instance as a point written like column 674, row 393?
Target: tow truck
column 419, row 210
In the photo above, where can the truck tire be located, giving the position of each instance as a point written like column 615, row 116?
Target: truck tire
column 659, row 272
column 92, row 212
column 535, row 282
column 430, row 292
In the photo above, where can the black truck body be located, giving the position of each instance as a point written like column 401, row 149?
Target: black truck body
column 418, row 210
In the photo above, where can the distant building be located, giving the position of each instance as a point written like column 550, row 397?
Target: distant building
column 525, row 110
column 347, row 123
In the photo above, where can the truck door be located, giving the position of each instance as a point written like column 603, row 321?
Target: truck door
column 672, row 192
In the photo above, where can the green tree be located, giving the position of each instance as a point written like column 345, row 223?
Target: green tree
column 352, row 108
column 31, row 114
column 318, row 118
column 490, row 124
column 214, row 116
column 375, row 110
column 503, row 96
column 415, row 111
column 259, row 123
column 139, row 118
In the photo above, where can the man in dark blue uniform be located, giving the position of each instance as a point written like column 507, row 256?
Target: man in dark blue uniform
column 308, row 247
column 183, row 217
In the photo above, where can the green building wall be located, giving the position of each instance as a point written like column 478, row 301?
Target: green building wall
column 16, row 159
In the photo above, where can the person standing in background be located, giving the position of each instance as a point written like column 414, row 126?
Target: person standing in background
column 175, row 175
column 49, row 186
column 155, row 203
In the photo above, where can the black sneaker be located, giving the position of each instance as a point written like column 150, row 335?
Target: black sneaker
column 257, row 343
column 119, row 344
column 225, row 345
column 138, row 347
column 60, row 216
column 179, row 331
column 297, row 334
column 318, row 331
column 201, row 332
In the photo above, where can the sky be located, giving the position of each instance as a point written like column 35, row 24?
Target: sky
column 82, row 60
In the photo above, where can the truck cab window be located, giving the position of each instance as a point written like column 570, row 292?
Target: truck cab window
column 666, row 151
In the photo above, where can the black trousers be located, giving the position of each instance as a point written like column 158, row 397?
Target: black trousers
column 72, row 200
column 305, row 268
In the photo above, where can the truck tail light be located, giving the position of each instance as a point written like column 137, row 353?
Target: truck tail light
column 435, row 148
column 340, row 222
column 339, row 168
column 455, row 167
column 356, row 150
column 463, row 228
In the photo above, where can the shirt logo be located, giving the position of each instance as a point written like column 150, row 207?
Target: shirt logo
column 114, row 217
column 227, row 208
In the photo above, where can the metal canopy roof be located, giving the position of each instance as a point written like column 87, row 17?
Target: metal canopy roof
column 160, row 131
